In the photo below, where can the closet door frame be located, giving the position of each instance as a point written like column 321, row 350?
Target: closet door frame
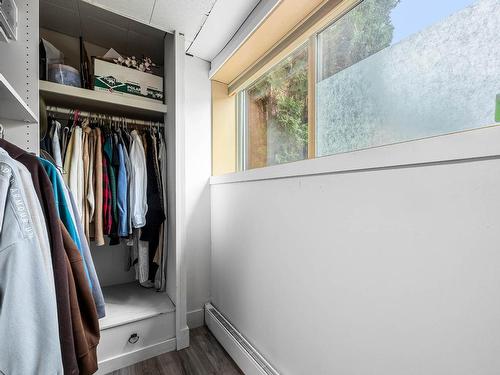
column 175, row 134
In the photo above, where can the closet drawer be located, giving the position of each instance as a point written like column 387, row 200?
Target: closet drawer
column 127, row 338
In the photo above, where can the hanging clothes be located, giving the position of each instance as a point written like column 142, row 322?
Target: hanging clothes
column 65, row 135
column 63, row 205
column 86, row 172
column 39, row 227
column 56, row 146
column 99, row 187
column 88, row 263
column 118, row 180
column 107, row 196
column 155, row 215
column 140, row 259
column 122, row 191
column 43, row 189
column 128, row 168
column 90, row 183
column 84, row 315
column 73, row 166
column 112, row 174
column 138, row 181
column 28, row 319
column 87, row 258
column 161, row 260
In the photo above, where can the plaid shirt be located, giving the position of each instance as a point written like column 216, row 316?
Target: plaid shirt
column 106, row 195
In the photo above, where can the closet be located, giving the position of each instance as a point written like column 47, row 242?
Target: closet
column 140, row 323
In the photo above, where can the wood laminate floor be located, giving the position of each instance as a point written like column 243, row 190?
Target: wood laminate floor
column 204, row 356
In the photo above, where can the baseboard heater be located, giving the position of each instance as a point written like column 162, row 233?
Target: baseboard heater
column 250, row 361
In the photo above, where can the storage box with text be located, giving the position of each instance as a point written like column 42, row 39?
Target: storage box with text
column 120, row 80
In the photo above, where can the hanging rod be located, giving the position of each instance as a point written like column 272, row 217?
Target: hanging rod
column 67, row 111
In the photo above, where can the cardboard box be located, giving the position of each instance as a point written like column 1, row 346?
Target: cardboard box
column 120, row 80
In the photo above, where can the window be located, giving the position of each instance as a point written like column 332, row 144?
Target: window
column 397, row 70
column 273, row 114
column 386, row 71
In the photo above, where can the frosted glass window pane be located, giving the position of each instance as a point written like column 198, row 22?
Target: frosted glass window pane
column 391, row 71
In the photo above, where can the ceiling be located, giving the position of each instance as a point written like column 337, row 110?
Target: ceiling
column 106, row 29
column 224, row 20
column 207, row 24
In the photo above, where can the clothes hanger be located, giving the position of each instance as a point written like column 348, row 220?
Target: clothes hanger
column 76, row 116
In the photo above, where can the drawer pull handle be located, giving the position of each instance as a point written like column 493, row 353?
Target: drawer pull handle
column 134, row 337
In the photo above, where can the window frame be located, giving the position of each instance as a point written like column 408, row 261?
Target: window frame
column 242, row 109
column 241, row 130
column 324, row 18
column 306, row 32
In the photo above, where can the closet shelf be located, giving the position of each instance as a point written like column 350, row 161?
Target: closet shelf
column 127, row 303
column 59, row 95
column 12, row 106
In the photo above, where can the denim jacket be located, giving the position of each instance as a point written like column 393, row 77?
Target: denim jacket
column 28, row 316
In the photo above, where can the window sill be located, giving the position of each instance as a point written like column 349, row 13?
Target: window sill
column 482, row 143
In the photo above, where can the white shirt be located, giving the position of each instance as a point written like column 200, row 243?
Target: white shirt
column 138, row 182
column 75, row 172
column 90, row 183
column 56, row 148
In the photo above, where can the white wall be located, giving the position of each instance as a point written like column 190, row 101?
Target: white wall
column 198, row 170
column 378, row 271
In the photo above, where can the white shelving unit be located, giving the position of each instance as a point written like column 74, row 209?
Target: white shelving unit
column 66, row 96
column 12, row 106
column 127, row 303
column 139, row 323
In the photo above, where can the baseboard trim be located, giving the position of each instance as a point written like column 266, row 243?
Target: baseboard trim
column 183, row 338
column 250, row 361
column 195, row 318
column 127, row 359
